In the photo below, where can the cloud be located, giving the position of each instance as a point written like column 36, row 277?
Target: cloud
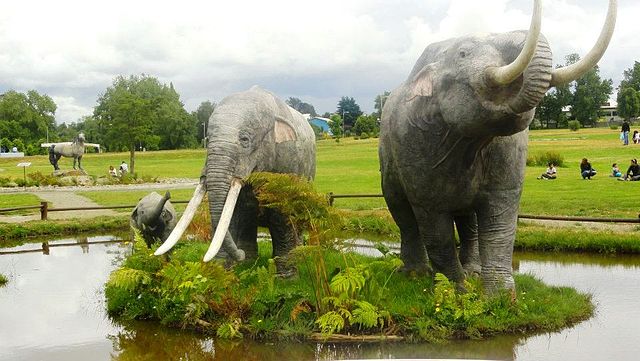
column 317, row 51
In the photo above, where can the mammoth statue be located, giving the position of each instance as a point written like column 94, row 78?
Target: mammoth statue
column 453, row 146
column 154, row 217
column 248, row 132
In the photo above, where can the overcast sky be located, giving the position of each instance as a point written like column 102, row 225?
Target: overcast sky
column 315, row 50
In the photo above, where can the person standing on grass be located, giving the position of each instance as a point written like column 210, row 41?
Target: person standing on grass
column 633, row 173
column 636, row 137
column 625, row 132
column 586, row 170
column 550, row 173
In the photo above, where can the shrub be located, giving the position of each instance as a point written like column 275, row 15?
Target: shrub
column 3, row 280
column 573, row 125
column 613, row 126
column 364, row 135
column 542, row 159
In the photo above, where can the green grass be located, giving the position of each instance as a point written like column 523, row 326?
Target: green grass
column 12, row 234
column 10, row 200
column 185, row 163
column 351, row 167
column 131, row 197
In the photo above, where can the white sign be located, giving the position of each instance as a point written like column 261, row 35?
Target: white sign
column 24, row 164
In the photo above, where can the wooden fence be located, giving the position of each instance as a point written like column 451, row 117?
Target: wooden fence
column 44, row 210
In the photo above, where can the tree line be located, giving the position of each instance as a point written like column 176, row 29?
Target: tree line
column 586, row 95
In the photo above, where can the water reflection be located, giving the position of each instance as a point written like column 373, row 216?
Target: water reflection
column 149, row 341
column 53, row 309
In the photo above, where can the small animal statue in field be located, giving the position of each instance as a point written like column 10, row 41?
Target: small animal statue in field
column 154, row 217
column 453, row 147
column 73, row 150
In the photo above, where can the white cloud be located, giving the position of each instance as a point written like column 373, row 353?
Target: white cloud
column 314, row 50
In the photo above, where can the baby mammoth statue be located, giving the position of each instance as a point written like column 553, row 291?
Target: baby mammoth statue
column 154, row 217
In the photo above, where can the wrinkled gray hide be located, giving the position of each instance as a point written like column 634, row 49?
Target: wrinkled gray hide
column 154, row 217
column 453, row 148
column 248, row 132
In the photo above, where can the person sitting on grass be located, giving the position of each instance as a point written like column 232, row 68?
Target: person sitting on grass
column 112, row 171
column 615, row 171
column 633, row 173
column 550, row 173
column 586, row 170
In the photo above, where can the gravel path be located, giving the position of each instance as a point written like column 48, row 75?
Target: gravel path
column 66, row 197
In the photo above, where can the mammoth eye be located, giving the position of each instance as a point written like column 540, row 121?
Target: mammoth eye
column 245, row 141
column 463, row 54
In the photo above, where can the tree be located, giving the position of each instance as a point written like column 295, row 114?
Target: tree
column 628, row 103
column 203, row 113
column 27, row 117
column 336, row 126
column 135, row 110
column 349, row 111
column 379, row 103
column 366, row 124
column 302, row 107
column 550, row 108
column 590, row 92
column 631, row 78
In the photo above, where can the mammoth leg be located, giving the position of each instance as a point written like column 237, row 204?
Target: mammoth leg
column 436, row 231
column 497, row 219
column 284, row 238
column 467, row 226
column 412, row 249
column 244, row 223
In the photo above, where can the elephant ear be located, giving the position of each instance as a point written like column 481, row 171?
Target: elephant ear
column 421, row 85
column 283, row 130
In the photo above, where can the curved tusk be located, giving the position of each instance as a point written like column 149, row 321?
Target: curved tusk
column 184, row 221
column 225, row 219
column 506, row 74
column 574, row 71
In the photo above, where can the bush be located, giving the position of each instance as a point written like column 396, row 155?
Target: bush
column 613, row 126
column 542, row 159
column 364, row 135
column 573, row 125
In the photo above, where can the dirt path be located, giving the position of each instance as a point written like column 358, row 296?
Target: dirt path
column 68, row 198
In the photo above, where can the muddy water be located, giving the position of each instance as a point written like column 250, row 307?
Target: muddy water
column 53, row 309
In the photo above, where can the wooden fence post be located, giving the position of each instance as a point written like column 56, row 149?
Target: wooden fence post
column 330, row 197
column 44, row 210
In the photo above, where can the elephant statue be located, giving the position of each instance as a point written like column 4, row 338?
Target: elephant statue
column 453, row 147
column 155, row 217
column 251, row 131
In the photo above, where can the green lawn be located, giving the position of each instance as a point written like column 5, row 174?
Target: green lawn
column 351, row 167
column 131, row 197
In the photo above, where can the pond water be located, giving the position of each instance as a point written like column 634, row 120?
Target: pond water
column 53, row 309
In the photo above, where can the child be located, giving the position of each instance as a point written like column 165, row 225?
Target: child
column 615, row 171
column 550, row 173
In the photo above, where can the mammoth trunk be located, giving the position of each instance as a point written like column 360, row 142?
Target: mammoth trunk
column 536, row 79
column 154, row 216
column 223, row 189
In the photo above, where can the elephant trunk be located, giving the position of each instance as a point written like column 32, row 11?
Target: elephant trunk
column 536, row 79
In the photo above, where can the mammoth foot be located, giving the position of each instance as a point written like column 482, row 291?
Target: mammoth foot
column 472, row 269
column 417, row 270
